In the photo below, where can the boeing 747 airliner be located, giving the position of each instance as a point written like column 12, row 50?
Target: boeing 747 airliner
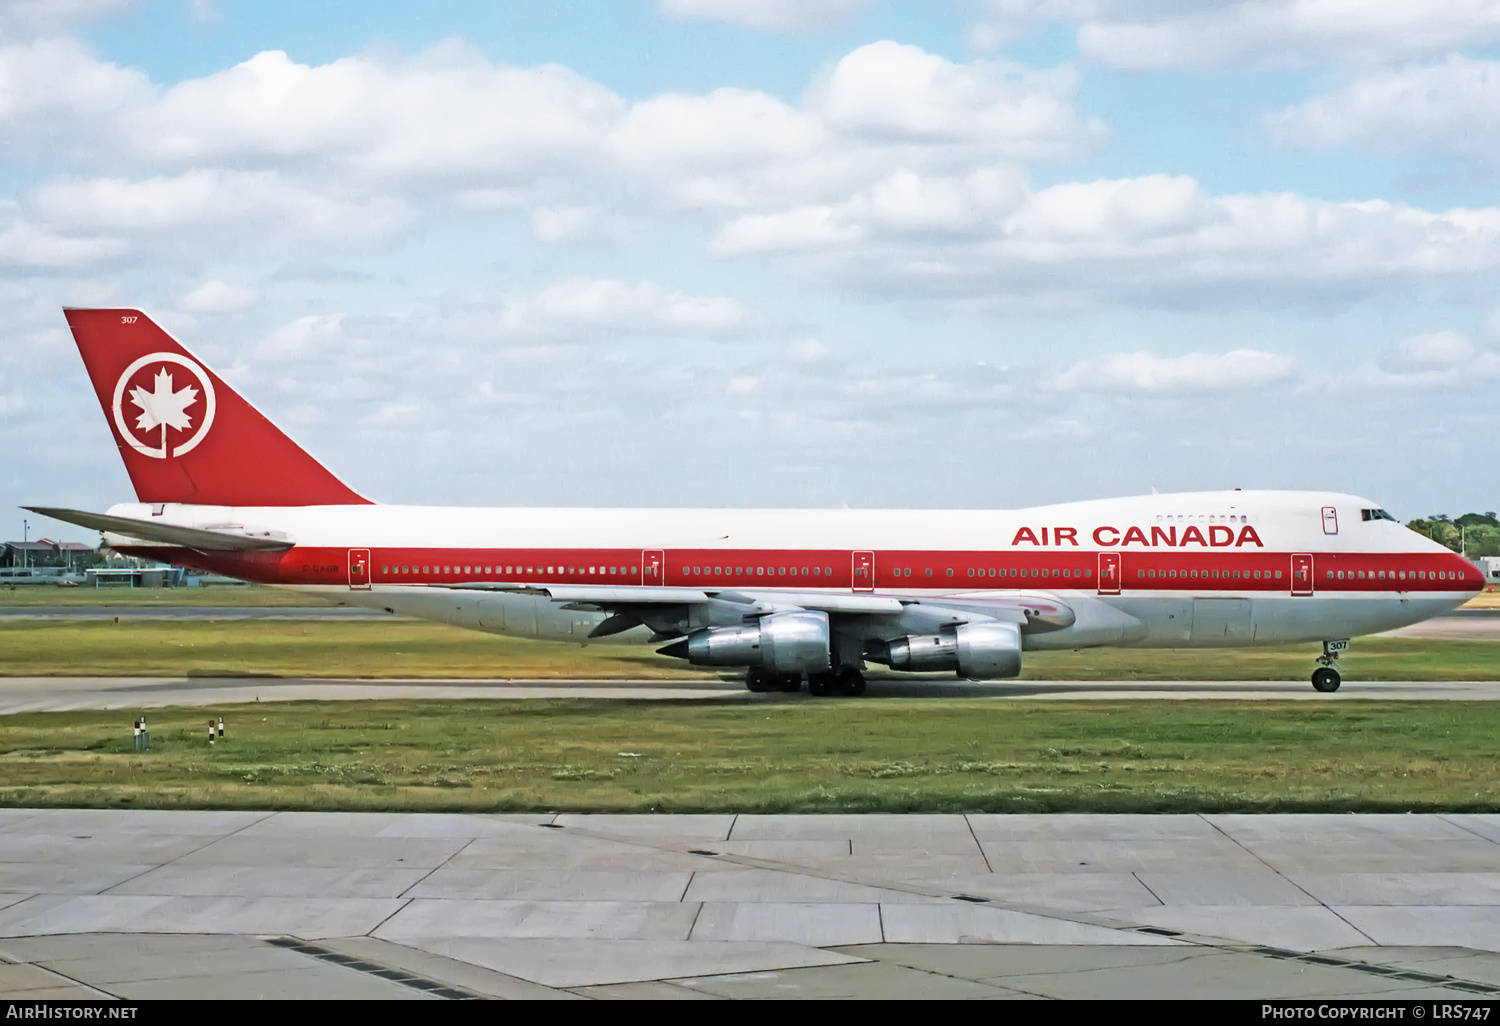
column 785, row 594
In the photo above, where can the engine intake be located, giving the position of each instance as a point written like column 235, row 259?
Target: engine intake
column 782, row 643
column 978, row 651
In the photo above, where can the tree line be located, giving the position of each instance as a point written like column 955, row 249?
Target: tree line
column 1474, row 534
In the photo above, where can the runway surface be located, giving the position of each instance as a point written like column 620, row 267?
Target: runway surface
column 216, row 905
column 1461, row 624
column 42, row 694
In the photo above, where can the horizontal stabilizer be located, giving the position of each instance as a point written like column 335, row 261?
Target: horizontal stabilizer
column 198, row 538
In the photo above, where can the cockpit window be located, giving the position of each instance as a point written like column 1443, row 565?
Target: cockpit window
column 1375, row 514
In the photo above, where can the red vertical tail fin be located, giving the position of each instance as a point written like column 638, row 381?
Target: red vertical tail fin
column 184, row 434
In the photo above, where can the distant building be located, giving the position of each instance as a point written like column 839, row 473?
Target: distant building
column 157, row 576
column 55, row 576
column 1490, row 567
column 44, row 552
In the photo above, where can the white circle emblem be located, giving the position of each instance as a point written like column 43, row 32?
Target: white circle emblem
column 161, row 403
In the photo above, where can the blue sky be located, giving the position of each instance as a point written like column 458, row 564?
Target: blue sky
column 723, row 252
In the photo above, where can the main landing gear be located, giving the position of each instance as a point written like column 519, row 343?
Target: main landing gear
column 760, row 681
column 1326, row 677
column 847, row 681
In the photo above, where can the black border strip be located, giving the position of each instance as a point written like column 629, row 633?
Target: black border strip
column 400, row 976
column 1389, row 972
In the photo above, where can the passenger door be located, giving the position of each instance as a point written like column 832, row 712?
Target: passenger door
column 1302, row 573
column 359, row 569
column 862, row 575
column 652, row 566
column 1109, row 573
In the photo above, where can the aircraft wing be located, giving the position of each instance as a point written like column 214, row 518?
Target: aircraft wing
column 633, row 606
column 608, row 596
column 226, row 538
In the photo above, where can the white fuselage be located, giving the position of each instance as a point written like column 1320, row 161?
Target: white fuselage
column 1209, row 569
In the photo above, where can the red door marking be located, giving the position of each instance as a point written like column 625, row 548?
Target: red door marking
column 1302, row 573
column 359, row 569
column 651, row 568
column 1109, row 573
column 862, row 565
column 1330, row 520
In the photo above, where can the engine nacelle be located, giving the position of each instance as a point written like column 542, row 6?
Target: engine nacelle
column 978, row 651
column 782, row 643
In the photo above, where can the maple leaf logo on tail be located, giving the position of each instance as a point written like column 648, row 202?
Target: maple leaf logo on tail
column 164, row 407
column 145, row 407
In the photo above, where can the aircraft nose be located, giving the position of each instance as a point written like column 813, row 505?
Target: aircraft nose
column 1469, row 575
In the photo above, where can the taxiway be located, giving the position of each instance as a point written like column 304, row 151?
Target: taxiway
column 56, row 694
column 214, row 905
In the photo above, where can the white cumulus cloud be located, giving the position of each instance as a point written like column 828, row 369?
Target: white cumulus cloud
column 610, row 304
column 1436, row 360
column 236, row 211
column 1279, row 32
column 1146, row 373
column 58, row 78
column 42, row 17
column 898, row 92
column 1451, row 107
column 1152, row 239
column 765, row 15
column 446, row 113
column 217, row 297
column 1151, row 34
column 880, row 108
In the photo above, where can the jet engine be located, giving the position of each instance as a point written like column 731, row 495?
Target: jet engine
column 781, row 643
column 978, row 651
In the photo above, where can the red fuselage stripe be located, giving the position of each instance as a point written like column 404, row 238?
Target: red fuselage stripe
column 1230, row 572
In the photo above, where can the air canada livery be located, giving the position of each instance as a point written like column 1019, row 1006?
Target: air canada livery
column 784, row 594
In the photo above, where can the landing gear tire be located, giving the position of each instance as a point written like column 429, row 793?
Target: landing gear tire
column 1326, row 679
column 845, row 682
column 760, row 682
column 851, row 682
column 790, row 682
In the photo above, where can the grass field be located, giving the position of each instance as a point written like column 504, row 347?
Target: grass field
column 407, row 648
column 937, row 755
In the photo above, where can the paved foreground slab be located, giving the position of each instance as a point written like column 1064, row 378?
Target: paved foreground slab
column 422, row 906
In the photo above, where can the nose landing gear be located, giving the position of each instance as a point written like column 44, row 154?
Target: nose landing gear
column 1326, row 677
